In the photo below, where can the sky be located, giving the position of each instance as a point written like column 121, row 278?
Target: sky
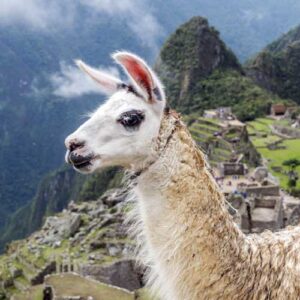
column 43, row 15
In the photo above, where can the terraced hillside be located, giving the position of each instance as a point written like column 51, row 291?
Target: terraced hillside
column 221, row 142
column 88, row 235
column 274, row 148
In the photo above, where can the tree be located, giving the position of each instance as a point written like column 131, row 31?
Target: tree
column 292, row 163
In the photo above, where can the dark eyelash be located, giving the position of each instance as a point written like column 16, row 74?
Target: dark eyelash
column 131, row 119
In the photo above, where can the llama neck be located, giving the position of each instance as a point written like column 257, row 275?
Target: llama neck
column 185, row 222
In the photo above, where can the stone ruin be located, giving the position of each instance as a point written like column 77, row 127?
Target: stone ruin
column 228, row 169
column 259, row 201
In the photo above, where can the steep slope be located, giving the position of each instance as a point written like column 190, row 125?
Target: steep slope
column 200, row 72
column 86, row 236
column 54, row 193
column 277, row 67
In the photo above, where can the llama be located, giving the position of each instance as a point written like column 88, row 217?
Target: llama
column 187, row 237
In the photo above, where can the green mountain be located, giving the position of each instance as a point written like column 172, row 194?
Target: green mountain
column 200, row 72
column 277, row 67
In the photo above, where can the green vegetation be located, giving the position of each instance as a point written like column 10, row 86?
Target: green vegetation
column 277, row 157
column 262, row 137
column 33, row 293
column 197, row 77
column 207, row 133
column 279, row 65
column 73, row 285
column 53, row 195
column 99, row 183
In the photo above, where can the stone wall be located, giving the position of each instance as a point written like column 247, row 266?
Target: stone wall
column 228, row 169
column 123, row 274
column 269, row 190
column 48, row 269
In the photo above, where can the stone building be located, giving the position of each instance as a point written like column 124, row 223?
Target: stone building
column 278, row 109
column 228, row 169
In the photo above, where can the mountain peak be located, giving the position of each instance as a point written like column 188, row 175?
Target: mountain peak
column 276, row 67
column 191, row 54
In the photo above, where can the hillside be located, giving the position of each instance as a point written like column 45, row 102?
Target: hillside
column 54, row 193
column 276, row 148
column 89, row 238
column 276, row 67
column 200, row 72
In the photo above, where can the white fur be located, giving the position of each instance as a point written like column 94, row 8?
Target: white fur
column 109, row 142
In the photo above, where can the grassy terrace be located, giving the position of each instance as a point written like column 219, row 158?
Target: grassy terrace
column 261, row 136
column 277, row 157
column 202, row 130
column 72, row 285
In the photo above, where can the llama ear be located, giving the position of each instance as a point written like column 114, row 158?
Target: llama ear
column 144, row 79
column 108, row 83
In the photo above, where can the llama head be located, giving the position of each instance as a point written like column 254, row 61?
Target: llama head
column 122, row 130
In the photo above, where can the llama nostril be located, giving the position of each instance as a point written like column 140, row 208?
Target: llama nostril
column 73, row 145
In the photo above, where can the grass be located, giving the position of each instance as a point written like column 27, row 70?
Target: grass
column 277, row 157
column 259, row 142
column 73, row 285
column 199, row 133
column 260, row 125
column 4, row 271
column 205, row 127
column 34, row 293
column 143, row 294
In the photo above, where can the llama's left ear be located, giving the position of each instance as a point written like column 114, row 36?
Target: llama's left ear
column 142, row 76
column 107, row 83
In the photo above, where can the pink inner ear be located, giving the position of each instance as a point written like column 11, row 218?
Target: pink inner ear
column 139, row 73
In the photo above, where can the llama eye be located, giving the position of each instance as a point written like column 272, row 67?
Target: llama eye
column 131, row 119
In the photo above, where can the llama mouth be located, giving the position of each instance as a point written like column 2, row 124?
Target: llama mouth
column 82, row 165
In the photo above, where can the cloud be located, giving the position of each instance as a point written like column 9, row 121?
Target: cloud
column 253, row 15
column 39, row 14
column 45, row 15
column 72, row 82
column 135, row 13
